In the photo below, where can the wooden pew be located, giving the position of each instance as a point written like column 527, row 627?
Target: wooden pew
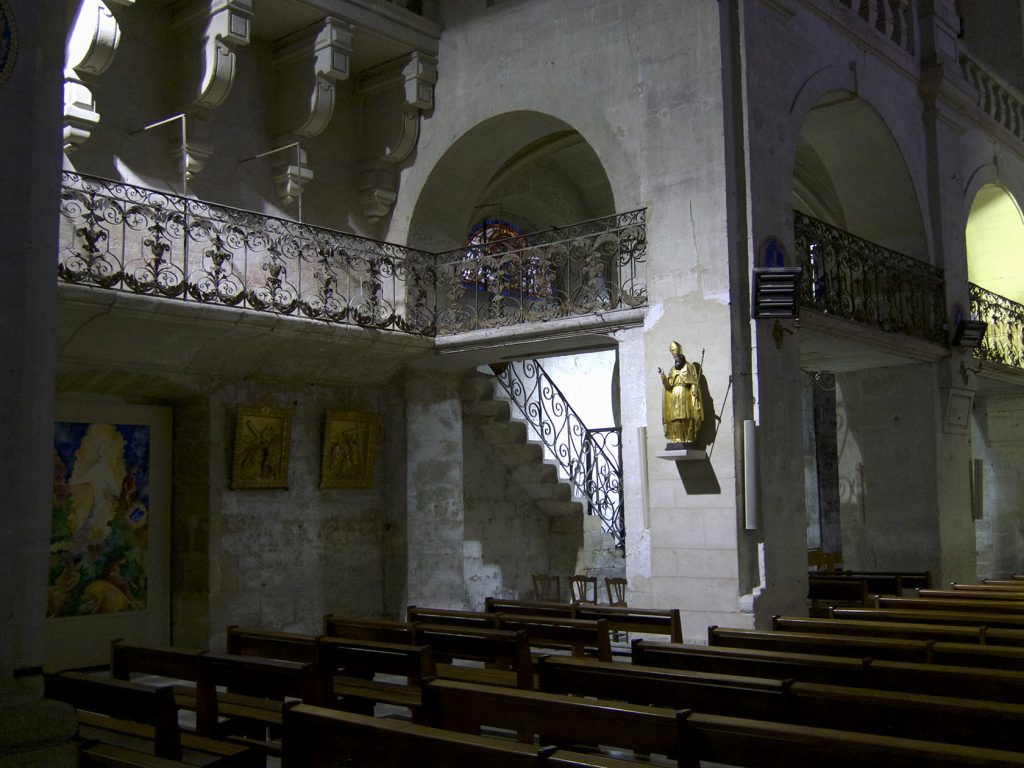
column 554, row 718
column 349, row 668
column 257, row 689
column 269, row 644
column 381, row 630
column 457, row 618
column 744, row 742
column 890, row 582
column 580, row 636
column 933, row 679
column 325, row 738
column 903, row 631
column 651, row 621
column 529, row 607
column 962, row 618
column 831, row 590
column 889, row 648
column 988, row 587
column 115, row 710
column 908, row 715
column 1013, row 583
column 1011, row 607
column 975, row 595
column 179, row 664
column 504, row 654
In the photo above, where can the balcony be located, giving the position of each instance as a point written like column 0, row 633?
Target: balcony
column 854, row 279
column 136, row 240
column 1004, row 339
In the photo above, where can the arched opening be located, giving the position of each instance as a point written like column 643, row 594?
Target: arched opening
column 995, row 238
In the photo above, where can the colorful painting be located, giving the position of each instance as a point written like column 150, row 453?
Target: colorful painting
column 99, row 540
column 263, row 437
column 350, row 446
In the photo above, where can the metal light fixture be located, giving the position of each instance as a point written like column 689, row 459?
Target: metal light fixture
column 775, row 292
column 969, row 333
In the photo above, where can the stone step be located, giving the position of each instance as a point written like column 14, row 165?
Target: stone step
column 504, row 432
column 494, row 409
column 478, row 386
column 560, row 507
column 535, row 473
column 548, row 491
column 515, row 454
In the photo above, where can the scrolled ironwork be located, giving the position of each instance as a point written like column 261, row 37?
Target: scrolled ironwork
column 850, row 277
column 590, row 459
column 1004, row 338
column 592, row 266
column 121, row 236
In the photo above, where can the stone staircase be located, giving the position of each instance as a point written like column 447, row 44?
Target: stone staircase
column 486, row 410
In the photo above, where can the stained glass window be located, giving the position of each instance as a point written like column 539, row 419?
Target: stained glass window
column 502, row 262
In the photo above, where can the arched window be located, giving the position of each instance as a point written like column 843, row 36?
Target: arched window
column 502, row 262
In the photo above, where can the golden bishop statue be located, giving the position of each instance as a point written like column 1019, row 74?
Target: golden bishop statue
column 682, row 407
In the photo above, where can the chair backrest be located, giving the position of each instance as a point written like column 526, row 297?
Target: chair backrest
column 546, row 587
column 583, row 589
column 616, row 588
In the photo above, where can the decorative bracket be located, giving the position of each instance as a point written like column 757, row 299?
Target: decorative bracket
column 227, row 26
column 405, row 87
column 331, row 44
column 292, row 178
column 90, row 50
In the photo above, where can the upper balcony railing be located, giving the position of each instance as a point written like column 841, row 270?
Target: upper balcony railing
column 593, row 266
column 997, row 99
column 853, row 278
column 892, row 19
column 124, row 237
column 1004, row 339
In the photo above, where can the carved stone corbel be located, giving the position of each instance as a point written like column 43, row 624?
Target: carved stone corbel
column 310, row 64
column 226, row 25
column 292, row 174
column 90, row 50
column 190, row 157
column 395, row 95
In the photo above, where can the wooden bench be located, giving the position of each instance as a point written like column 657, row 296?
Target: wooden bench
column 938, row 680
column 1010, row 587
column 529, row 607
column 554, row 718
column 115, row 710
column 654, row 621
column 175, row 664
column 888, row 582
column 961, row 618
column 457, row 618
column 257, row 689
column 350, row 668
column 1013, row 583
column 908, row 715
column 1011, row 607
column 903, row 631
column 505, row 654
column 833, row 590
column 381, row 630
column 745, row 742
column 889, row 648
column 975, row 595
column 579, row 636
column 270, row 644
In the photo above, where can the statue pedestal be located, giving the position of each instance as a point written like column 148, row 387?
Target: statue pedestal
column 683, row 454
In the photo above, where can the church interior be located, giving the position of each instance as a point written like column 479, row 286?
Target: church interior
column 512, row 382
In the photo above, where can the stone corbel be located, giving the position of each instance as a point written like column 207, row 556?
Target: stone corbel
column 396, row 93
column 226, row 26
column 291, row 174
column 90, row 50
column 191, row 157
column 330, row 44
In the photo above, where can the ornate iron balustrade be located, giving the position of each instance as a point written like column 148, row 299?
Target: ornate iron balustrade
column 125, row 237
column 996, row 98
column 859, row 280
column 594, row 266
column 121, row 236
column 591, row 459
column 1004, row 339
column 893, row 19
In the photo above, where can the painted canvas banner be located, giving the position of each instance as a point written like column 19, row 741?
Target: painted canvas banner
column 99, row 542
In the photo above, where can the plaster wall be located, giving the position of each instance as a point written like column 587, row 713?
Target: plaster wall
column 998, row 426
column 887, row 469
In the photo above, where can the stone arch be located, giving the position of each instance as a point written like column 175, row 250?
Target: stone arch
column 849, row 170
column 995, row 234
column 528, row 167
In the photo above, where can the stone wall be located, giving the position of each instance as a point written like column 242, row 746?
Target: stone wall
column 999, row 443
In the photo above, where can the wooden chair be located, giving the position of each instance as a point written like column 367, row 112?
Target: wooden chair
column 583, row 589
column 547, row 588
column 616, row 589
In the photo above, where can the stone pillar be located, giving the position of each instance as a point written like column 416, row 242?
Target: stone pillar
column 436, row 510
column 33, row 732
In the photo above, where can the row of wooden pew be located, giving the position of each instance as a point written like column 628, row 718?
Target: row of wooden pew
column 828, row 693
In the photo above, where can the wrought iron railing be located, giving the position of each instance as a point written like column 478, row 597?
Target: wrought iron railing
column 593, row 266
column 121, row 236
column 117, row 235
column 1004, row 338
column 853, row 278
column 893, row 19
column 590, row 459
column 997, row 99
